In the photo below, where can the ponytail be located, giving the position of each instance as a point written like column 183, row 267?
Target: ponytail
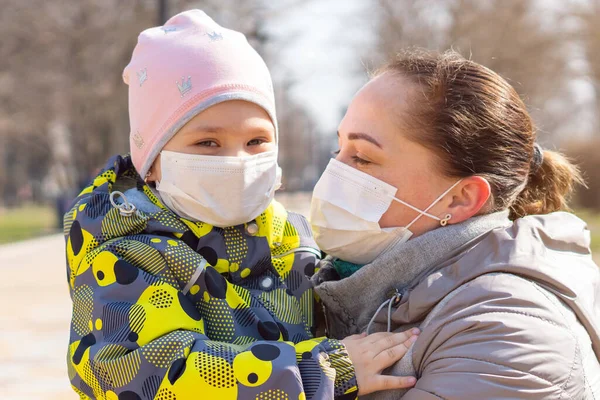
column 548, row 187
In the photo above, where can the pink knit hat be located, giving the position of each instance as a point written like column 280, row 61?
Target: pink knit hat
column 182, row 68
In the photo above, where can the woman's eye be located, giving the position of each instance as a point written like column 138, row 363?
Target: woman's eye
column 207, row 143
column 256, row 142
column 360, row 161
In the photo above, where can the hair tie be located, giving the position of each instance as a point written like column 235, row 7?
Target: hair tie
column 538, row 158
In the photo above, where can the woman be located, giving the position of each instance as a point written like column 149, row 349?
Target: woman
column 441, row 211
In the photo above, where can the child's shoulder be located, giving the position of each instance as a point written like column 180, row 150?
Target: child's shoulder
column 301, row 224
column 296, row 229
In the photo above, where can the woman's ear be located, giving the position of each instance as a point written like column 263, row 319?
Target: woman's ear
column 470, row 196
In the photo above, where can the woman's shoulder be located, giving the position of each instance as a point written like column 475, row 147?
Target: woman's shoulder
column 507, row 325
column 497, row 294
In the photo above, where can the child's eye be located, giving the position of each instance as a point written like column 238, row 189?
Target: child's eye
column 360, row 161
column 256, row 142
column 207, row 143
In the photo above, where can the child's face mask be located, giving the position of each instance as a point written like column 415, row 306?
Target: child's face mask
column 221, row 191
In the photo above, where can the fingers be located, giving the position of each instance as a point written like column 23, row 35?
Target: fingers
column 353, row 337
column 356, row 336
column 388, row 382
column 375, row 337
column 384, row 340
column 391, row 355
column 373, row 353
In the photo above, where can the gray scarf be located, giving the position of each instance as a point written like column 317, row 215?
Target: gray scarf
column 350, row 303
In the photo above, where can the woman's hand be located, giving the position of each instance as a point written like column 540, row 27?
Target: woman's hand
column 373, row 353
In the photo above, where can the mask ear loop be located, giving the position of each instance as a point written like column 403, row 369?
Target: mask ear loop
column 443, row 221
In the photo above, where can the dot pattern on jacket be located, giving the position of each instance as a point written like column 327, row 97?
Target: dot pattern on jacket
column 165, row 308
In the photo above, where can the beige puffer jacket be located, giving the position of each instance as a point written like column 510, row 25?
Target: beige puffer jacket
column 515, row 314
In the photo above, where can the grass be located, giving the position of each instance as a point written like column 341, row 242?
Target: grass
column 26, row 222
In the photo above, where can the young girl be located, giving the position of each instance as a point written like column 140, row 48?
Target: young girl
column 187, row 279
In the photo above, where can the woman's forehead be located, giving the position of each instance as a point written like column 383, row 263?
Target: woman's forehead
column 385, row 93
column 382, row 100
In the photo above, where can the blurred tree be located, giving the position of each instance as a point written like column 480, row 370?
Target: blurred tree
column 589, row 29
column 62, row 73
column 586, row 32
column 519, row 39
column 585, row 152
column 64, row 70
column 61, row 90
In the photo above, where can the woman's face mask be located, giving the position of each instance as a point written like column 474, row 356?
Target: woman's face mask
column 346, row 208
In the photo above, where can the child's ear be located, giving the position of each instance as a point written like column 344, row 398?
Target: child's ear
column 153, row 174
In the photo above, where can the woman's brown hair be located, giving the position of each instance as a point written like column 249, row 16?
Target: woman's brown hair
column 477, row 124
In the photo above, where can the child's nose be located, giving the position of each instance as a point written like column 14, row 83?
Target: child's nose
column 243, row 153
column 236, row 152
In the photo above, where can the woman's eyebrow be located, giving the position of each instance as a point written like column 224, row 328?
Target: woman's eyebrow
column 363, row 136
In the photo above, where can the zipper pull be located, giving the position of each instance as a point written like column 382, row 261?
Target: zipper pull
column 396, row 297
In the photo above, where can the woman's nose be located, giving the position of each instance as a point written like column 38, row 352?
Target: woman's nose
column 341, row 157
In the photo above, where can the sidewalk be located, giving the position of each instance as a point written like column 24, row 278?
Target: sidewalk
column 34, row 320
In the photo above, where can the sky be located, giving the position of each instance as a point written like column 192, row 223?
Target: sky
column 324, row 52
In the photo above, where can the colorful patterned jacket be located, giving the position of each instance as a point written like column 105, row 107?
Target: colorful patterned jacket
column 168, row 309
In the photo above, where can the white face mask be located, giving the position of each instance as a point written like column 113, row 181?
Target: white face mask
column 221, row 191
column 346, row 207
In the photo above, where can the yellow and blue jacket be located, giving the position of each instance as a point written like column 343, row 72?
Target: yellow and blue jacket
column 169, row 309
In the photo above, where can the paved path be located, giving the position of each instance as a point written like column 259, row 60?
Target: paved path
column 35, row 311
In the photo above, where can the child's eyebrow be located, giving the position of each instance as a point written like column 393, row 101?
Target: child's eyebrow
column 207, row 129
column 202, row 129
